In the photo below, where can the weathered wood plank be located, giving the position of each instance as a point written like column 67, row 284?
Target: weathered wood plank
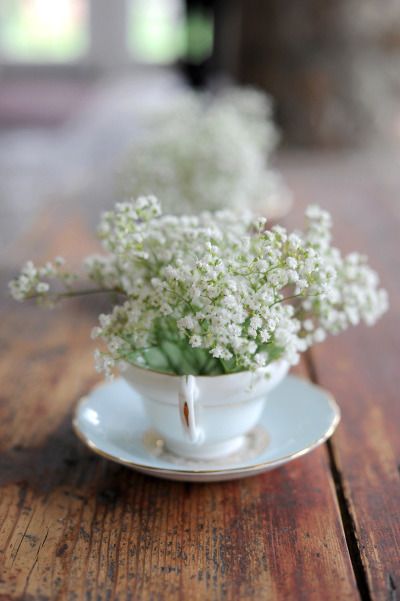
column 361, row 367
column 74, row 526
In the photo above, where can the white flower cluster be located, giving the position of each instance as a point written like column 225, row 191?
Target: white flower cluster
column 33, row 282
column 209, row 153
column 217, row 293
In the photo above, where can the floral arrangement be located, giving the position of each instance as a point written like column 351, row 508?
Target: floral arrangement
column 208, row 153
column 214, row 293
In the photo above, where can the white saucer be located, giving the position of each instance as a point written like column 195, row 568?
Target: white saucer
column 298, row 417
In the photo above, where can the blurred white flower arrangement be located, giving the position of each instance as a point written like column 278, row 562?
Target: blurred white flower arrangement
column 214, row 293
column 209, row 153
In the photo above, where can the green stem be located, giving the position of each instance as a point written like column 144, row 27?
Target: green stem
column 75, row 293
column 282, row 300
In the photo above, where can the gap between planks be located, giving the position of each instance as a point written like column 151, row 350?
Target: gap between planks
column 348, row 522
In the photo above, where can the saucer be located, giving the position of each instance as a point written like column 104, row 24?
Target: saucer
column 298, row 416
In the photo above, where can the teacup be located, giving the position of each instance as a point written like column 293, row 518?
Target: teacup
column 205, row 417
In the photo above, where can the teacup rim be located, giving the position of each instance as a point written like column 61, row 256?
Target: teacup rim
column 236, row 373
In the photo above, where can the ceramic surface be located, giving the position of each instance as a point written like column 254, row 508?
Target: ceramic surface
column 204, row 417
column 297, row 417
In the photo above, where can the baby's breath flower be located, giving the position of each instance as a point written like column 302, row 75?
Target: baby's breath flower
column 206, row 152
column 212, row 293
column 42, row 287
column 31, row 281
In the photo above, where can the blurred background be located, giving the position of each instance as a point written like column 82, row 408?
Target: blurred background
column 77, row 78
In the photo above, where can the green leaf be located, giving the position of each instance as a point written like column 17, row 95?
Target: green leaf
column 157, row 360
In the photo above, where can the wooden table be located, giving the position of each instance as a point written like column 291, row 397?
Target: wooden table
column 75, row 526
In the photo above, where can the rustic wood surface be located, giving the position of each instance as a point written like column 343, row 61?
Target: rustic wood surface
column 75, row 526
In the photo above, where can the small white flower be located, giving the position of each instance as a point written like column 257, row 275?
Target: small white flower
column 42, row 287
column 195, row 341
column 308, row 325
column 256, row 322
column 319, row 335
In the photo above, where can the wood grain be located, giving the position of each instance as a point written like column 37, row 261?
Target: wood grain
column 74, row 526
column 361, row 367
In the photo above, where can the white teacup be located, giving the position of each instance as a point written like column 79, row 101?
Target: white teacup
column 205, row 417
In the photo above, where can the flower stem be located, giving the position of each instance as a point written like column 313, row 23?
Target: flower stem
column 75, row 293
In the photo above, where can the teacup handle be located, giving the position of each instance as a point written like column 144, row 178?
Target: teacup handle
column 188, row 394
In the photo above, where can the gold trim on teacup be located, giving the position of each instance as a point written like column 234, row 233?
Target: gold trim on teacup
column 222, row 471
